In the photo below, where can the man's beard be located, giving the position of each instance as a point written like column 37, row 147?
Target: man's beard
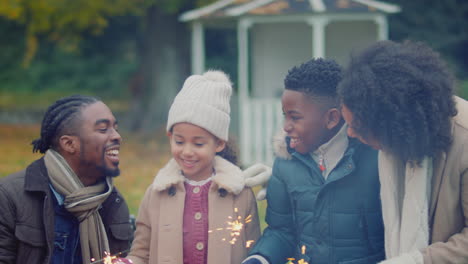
column 109, row 172
column 104, row 169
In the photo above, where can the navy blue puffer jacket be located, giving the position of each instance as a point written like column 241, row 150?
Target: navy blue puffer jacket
column 337, row 220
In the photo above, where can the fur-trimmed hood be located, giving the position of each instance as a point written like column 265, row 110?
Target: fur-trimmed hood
column 280, row 145
column 228, row 176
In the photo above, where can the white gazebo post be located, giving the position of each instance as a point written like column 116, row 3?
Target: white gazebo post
column 382, row 27
column 198, row 48
column 318, row 24
column 243, row 81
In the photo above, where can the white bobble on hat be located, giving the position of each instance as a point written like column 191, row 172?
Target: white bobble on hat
column 204, row 101
column 217, row 76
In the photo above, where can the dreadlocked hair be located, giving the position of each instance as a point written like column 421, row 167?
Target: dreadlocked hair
column 316, row 78
column 401, row 94
column 57, row 118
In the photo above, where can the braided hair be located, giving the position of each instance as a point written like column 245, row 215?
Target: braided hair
column 57, row 118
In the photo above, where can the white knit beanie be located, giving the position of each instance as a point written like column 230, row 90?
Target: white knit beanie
column 204, row 101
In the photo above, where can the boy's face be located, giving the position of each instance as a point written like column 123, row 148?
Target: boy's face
column 305, row 121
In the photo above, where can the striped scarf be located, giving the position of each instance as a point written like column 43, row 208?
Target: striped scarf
column 83, row 202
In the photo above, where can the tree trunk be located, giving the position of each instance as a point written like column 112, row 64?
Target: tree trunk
column 164, row 64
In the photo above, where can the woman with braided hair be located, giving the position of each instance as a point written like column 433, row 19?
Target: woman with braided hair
column 63, row 208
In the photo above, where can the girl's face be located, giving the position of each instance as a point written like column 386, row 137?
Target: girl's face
column 194, row 149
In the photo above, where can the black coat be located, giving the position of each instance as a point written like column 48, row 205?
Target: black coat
column 27, row 217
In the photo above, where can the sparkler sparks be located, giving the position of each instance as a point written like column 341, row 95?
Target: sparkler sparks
column 301, row 261
column 112, row 259
column 249, row 243
column 235, row 225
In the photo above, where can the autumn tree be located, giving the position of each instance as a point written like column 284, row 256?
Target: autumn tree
column 162, row 43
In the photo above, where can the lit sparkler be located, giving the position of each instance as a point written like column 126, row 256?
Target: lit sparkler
column 112, row 259
column 235, row 225
column 301, row 261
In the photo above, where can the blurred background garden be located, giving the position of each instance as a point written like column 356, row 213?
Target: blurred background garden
column 135, row 54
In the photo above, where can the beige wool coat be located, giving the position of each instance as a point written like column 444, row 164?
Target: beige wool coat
column 448, row 208
column 159, row 237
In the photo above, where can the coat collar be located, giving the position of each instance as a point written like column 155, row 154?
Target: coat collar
column 460, row 119
column 228, row 176
column 332, row 152
column 36, row 177
column 333, row 149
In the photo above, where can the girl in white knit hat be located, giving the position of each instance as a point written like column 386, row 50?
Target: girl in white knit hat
column 198, row 209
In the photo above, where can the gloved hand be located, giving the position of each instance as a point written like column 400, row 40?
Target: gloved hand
column 255, row 175
column 122, row 261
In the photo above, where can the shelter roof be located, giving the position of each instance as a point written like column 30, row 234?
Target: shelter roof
column 235, row 8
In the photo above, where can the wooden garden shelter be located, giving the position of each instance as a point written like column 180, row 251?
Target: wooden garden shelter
column 273, row 36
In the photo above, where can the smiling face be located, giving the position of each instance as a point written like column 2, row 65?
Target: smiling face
column 99, row 144
column 194, row 149
column 306, row 121
column 349, row 118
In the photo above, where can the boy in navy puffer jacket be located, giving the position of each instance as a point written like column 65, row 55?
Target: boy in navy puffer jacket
column 323, row 195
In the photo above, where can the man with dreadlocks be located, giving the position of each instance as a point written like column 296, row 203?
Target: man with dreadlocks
column 63, row 208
